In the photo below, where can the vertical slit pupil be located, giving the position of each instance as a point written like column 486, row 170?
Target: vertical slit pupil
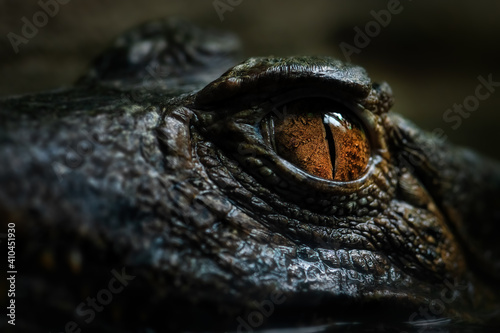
column 331, row 142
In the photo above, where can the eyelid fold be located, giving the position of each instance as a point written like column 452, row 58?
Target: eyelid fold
column 259, row 79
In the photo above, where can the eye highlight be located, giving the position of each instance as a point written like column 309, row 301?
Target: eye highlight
column 321, row 139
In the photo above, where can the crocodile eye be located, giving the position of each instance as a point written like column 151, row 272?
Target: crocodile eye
column 322, row 140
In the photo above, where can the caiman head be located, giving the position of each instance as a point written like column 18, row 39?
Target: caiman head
column 285, row 192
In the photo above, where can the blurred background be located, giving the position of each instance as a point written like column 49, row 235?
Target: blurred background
column 431, row 53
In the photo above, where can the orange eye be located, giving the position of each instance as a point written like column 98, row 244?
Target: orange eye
column 324, row 143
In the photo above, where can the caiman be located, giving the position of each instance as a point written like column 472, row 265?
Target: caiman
column 175, row 188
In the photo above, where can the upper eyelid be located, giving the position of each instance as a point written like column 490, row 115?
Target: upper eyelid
column 261, row 79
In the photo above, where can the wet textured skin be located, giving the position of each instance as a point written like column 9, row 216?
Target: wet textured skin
column 163, row 173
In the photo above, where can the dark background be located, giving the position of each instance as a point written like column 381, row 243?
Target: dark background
column 431, row 53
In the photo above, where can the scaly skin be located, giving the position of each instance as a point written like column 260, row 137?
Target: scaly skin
column 170, row 182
